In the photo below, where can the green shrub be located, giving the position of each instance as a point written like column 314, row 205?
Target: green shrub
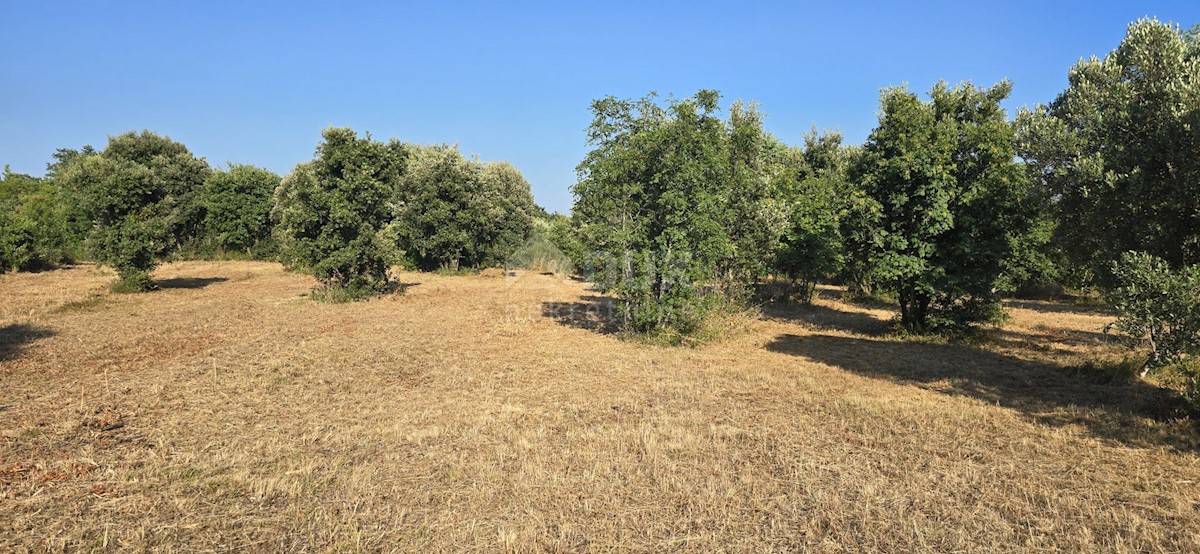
column 1159, row 308
column 16, row 241
column 131, row 227
column 541, row 255
column 671, row 202
column 456, row 212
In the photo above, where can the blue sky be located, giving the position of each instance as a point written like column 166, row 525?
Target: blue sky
column 255, row 82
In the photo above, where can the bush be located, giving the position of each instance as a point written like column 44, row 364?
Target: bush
column 16, row 241
column 1159, row 308
column 333, row 213
column 952, row 211
column 540, row 254
column 671, row 201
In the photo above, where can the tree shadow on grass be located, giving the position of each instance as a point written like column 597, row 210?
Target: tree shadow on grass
column 593, row 313
column 16, row 337
column 400, row 288
column 1046, row 339
column 824, row 318
column 1048, row 307
column 188, row 282
column 1046, row 392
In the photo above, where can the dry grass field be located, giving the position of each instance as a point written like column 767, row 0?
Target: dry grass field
column 229, row 412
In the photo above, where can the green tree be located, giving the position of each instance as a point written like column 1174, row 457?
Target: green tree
column 814, row 188
column 34, row 220
column 237, row 209
column 503, row 214
column 178, row 174
column 332, row 212
column 131, row 226
column 562, row 231
column 951, row 202
column 454, row 212
column 663, row 201
column 138, row 196
column 1116, row 153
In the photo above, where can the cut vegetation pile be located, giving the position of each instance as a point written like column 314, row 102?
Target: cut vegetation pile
column 489, row 413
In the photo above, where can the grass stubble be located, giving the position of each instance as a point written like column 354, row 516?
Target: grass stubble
column 465, row 415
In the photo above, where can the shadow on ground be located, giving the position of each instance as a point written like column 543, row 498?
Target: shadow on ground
column 16, row 337
column 401, row 288
column 1058, row 307
column 1046, row 392
column 188, row 282
column 825, row 318
column 1048, row 339
column 593, row 313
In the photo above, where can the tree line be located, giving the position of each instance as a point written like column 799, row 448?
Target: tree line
column 360, row 207
column 948, row 206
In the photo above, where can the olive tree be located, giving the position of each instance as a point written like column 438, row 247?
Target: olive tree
column 1159, row 307
column 139, row 195
column 131, row 225
column 454, row 212
column 1116, row 153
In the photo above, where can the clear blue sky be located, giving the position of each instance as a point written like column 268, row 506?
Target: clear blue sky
column 255, row 82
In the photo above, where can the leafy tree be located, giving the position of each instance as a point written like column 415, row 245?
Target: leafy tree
column 1116, row 152
column 951, row 202
column 237, row 208
column 814, row 189
column 663, row 201
column 504, row 211
column 454, row 212
column 131, row 225
column 16, row 242
column 1159, row 307
column 138, row 196
column 178, row 174
column 754, row 216
column 34, row 223
column 332, row 212
column 563, row 233
column 540, row 253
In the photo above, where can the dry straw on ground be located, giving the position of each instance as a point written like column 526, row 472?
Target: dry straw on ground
column 229, row 412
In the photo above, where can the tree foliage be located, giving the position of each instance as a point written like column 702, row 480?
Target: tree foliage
column 1159, row 307
column 454, row 212
column 131, row 227
column 671, row 200
column 332, row 212
column 177, row 174
column 1116, row 153
column 35, row 231
column 237, row 208
column 139, row 195
column 814, row 189
column 951, row 202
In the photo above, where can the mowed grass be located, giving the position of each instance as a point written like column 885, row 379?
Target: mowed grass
column 227, row 411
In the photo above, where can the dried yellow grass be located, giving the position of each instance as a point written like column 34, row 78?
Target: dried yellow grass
column 228, row 411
